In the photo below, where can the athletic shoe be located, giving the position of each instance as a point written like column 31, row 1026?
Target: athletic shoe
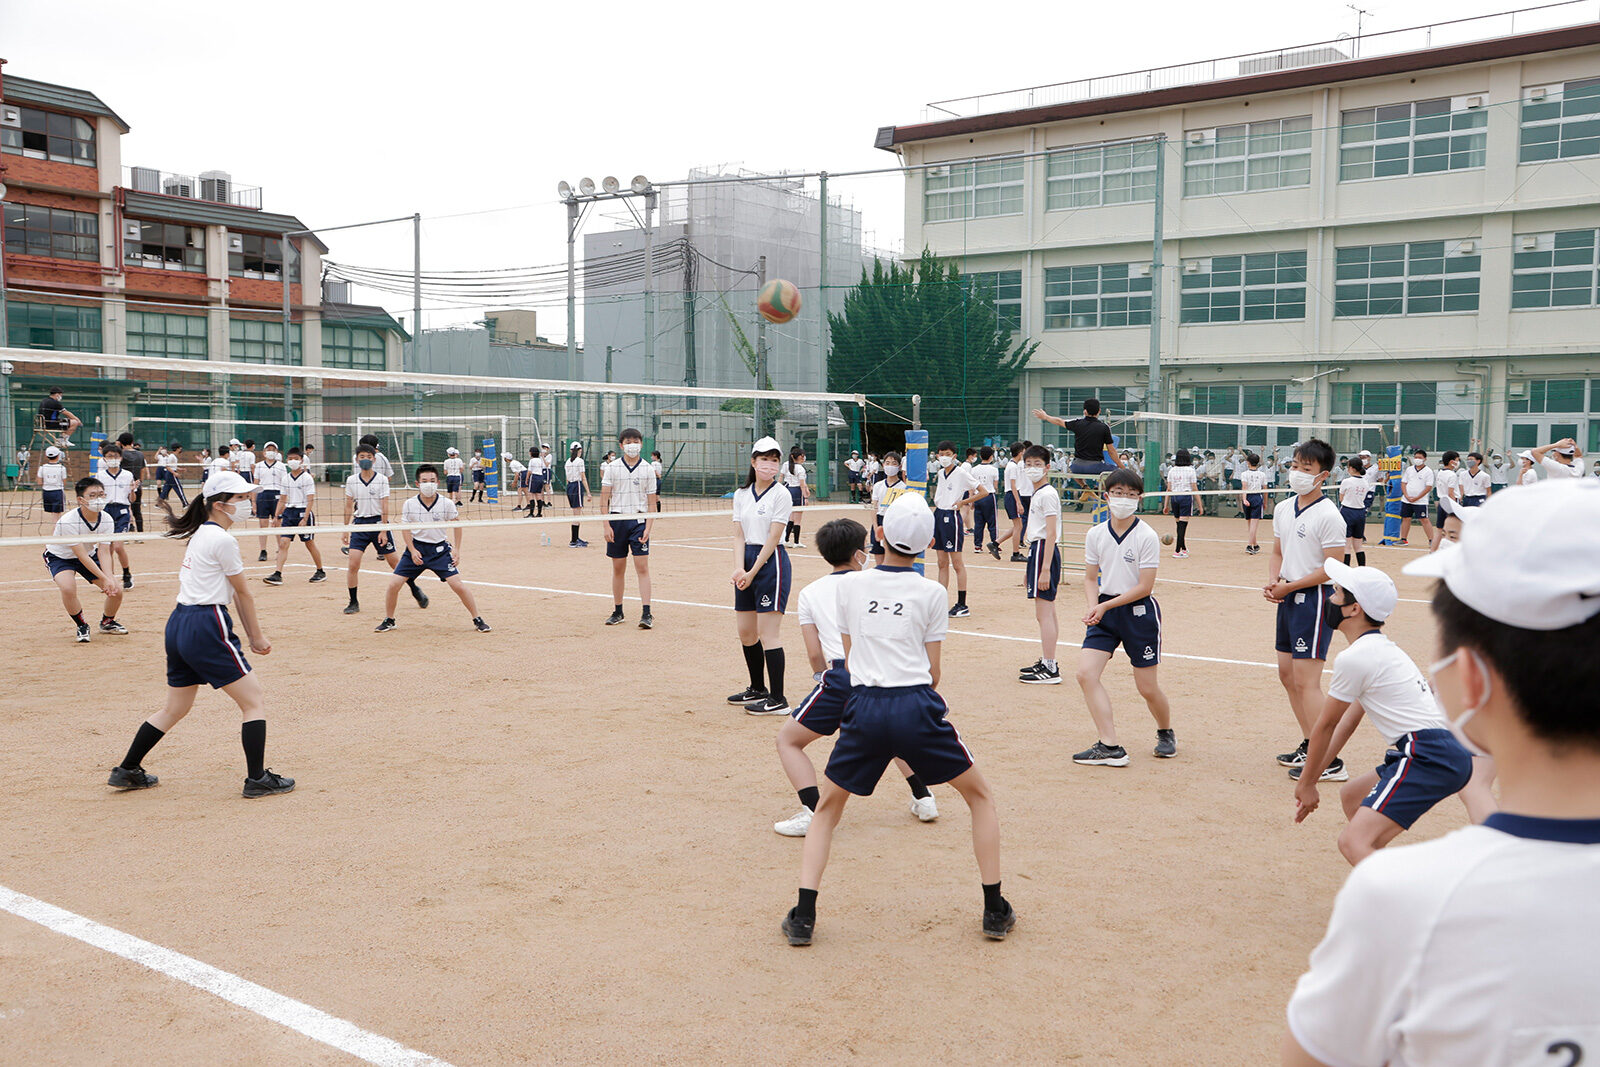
column 769, row 705
column 572, row 543
column 580, row 543
column 131, row 778
column 1018, row 557
column 614, row 618
column 997, row 924
column 352, row 609
column 275, row 578
column 797, row 826
column 960, row 611
column 384, row 627
column 926, row 809
column 1042, row 675
column 267, row 784
column 1166, row 744
column 479, row 625
column 345, row 549
column 263, row 557
column 647, row 621
column 127, row 580
column 420, row 597
column 994, row 550
column 1101, row 754
column 1182, row 553
column 1032, row 668
column 799, row 544
column 112, row 626
column 797, row 929
column 1295, row 758
column 750, row 694
column 1334, row 773
column 83, row 633
column 320, row 575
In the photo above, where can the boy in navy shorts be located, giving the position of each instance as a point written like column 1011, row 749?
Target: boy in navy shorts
column 1041, row 534
column 628, row 487
column 427, row 550
column 892, row 626
column 955, row 487
column 78, row 559
column 366, row 502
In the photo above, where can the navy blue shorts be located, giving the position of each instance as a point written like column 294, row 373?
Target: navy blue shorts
column 435, row 557
column 267, row 504
column 1472, row 501
column 823, row 709
column 575, row 494
column 1136, row 627
column 202, row 648
column 948, row 536
column 55, row 500
column 905, row 721
column 1036, row 570
column 1011, row 506
column 627, row 535
column 294, row 517
column 769, row 587
column 379, row 539
column 1419, row 770
column 1182, row 506
column 452, row 483
column 983, row 518
column 797, row 495
column 1440, row 514
column 1302, row 631
column 522, row 479
column 1355, row 522
column 1254, row 506
column 57, row 565
column 874, row 546
column 121, row 517
column 479, row 477
column 169, row 484
column 536, row 483
column 1413, row 511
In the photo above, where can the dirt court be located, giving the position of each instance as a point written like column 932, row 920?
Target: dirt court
column 553, row 843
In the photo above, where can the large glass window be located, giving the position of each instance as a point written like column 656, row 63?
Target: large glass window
column 1068, row 404
column 261, row 341
column 1547, row 395
column 1420, row 278
column 1268, row 400
column 55, row 326
column 1560, row 121
column 44, row 231
column 1275, row 154
column 159, row 333
column 165, row 246
column 1004, row 287
column 257, row 255
column 1554, row 270
column 1253, row 288
column 354, row 347
column 1100, row 294
column 1418, row 138
column 1100, row 174
column 1385, row 398
column 47, row 135
column 972, row 190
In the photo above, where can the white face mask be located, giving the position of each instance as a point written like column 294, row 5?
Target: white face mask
column 272, row 454
column 296, row 464
column 1458, row 727
column 631, row 449
column 891, row 469
column 946, row 461
column 94, row 503
column 1302, row 482
column 242, row 510
column 1037, row 473
column 113, row 464
column 1417, row 462
column 428, row 488
column 1122, row 507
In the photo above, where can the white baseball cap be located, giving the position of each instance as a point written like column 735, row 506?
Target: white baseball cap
column 908, row 524
column 452, row 451
column 1525, row 455
column 1364, row 452
column 52, row 452
column 1373, row 589
column 228, row 483
column 1527, row 557
column 234, row 441
column 768, row 444
column 269, row 444
column 1567, row 450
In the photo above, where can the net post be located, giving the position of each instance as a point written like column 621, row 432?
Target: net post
column 491, row 477
column 917, row 475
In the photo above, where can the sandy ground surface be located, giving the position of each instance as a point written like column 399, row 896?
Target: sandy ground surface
column 553, row 842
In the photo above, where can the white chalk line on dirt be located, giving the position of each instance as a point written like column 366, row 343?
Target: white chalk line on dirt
column 302, row 1018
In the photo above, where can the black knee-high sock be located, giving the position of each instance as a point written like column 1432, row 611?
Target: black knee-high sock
column 1361, row 559
column 574, row 531
column 352, row 594
column 755, row 664
column 254, row 736
column 1182, row 527
column 1347, row 559
column 143, row 742
column 775, row 671
column 808, row 797
column 918, row 790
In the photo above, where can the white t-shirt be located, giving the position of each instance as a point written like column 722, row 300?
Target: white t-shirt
column 1120, row 559
column 630, row 487
column 1447, row 484
column 794, row 474
column 443, row 509
column 854, row 465
column 1528, row 477
column 167, row 461
column 890, row 614
column 516, row 466
column 1182, row 480
column 576, row 470
column 381, row 464
column 272, row 476
column 119, row 485
column 1024, row 485
column 756, row 515
column 368, row 495
column 987, row 475
column 298, row 489
column 52, row 476
column 819, row 607
column 210, row 560
column 74, row 524
column 244, row 460
column 1416, row 483
column 1475, row 484
column 452, row 466
column 1010, row 479
column 884, row 494
column 660, row 470
column 1353, row 492
column 1392, row 691
column 1500, row 473
column 1476, row 948
column 951, row 485
column 1557, row 469
column 872, row 468
column 220, row 464
column 1303, row 534
column 1046, row 502
column 1253, row 480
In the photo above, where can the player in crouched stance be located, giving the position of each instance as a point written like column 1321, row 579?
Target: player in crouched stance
column 428, row 550
column 892, row 626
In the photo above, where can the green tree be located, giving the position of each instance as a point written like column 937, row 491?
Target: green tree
column 922, row 328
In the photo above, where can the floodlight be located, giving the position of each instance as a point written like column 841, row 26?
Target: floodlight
column 640, row 184
column 586, row 186
column 564, row 191
column 610, row 184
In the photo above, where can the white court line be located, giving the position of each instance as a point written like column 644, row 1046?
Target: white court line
column 302, row 1018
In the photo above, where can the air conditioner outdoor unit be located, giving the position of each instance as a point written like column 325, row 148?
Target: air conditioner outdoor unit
column 1517, row 391
column 1466, row 248
column 1191, row 266
column 1186, row 394
column 1199, row 136
column 235, row 243
column 938, row 172
column 10, row 116
column 1538, row 93
column 214, row 185
column 336, row 292
column 178, row 187
column 1474, row 101
column 146, row 180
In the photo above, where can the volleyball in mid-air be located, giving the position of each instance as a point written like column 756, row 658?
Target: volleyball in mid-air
column 779, row 301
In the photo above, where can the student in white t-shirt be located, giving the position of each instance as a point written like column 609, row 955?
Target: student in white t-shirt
column 954, row 488
column 884, row 493
column 661, row 473
column 1480, row 947
column 1016, row 502
column 1353, row 492
column 577, row 489
column 853, row 469
column 799, row 490
column 1475, row 481
column 53, row 482
column 628, row 487
column 987, row 475
column 1447, row 483
column 453, row 466
column 1560, row 459
column 81, row 559
column 762, row 578
column 1182, row 499
column 1526, row 475
column 1252, row 499
column 1042, row 532
column 201, row 646
column 1416, row 485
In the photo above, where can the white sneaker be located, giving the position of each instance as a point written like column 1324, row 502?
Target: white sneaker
column 924, row 808
column 795, row 827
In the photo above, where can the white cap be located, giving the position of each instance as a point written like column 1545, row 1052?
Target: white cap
column 908, row 524
column 52, row 452
column 1527, row 558
column 452, row 451
column 1567, row 450
column 269, row 444
column 1373, row 589
column 1364, row 452
column 227, row 483
column 1525, row 455
column 768, row 444
column 234, row 441
column 853, row 452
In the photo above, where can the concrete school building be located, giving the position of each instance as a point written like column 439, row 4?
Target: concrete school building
column 1410, row 238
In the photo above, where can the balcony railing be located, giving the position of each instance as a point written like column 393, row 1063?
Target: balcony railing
column 214, row 186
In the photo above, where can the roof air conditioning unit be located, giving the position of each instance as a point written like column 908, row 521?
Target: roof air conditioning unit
column 214, row 185
column 146, row 180
column 178, row 187
column 10, row 116
column 336, row 292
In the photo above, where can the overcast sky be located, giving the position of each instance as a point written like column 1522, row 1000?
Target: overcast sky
column 346, row 111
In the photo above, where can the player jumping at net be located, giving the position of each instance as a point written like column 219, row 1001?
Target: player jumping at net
column 954, row 488
column 366, row 502
column 297, row 508
column 761, row 578
column 428, row 550
column 628, row 487
column 70, row 561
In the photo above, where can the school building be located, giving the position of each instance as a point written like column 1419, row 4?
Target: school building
column 1397, row 230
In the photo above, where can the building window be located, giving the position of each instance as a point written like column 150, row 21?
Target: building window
column 1385, row 398
column 1103, row 294
column 261, row 341
column 1253, row 288
column 165, row 246
column 1268, row 400
column 256, row 255
column 353, row 347
column 1548, row 395
column 1420, row 278
column 1419, row 138
column 972, row 190
column 1101, row 174
column 54, row 326
column 1554, row 270
column 1435, row 435
column 43, row 231
column 1251, row 156
column 46, row 135
column 1004, row 288
column 1561, row 121
column 157, row 333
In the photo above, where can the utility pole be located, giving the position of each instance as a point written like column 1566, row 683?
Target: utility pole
column 690, row 373
column 416, row 331
column 824, row 480
column 288, row 383
column 761, row 347
column 649, row 290
column 1153, row 400
column 572, row 318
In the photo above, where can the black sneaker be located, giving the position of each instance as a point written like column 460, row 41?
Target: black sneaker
column 267, row 784
column 798, row 930
column 320, row 575
column 647, row 621
column 384, row 627
column 127, row 580
column 994, row 550
column 1018, row 557
column 131, row 778
column 750, row 694
column 1334, row 773
column 1166, row 744
column 1042, row 675
column 275, row 578
column 768, row 705
column 83, row 633
column 614, row 618
column 352, row 608
column 1032, row 668
column 419, row 596
column 112, row 626
column 478, row 624
column 960, row 611
column 263, row 557
column 1295, row 758
column 997, row 924
column 1101, row 754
